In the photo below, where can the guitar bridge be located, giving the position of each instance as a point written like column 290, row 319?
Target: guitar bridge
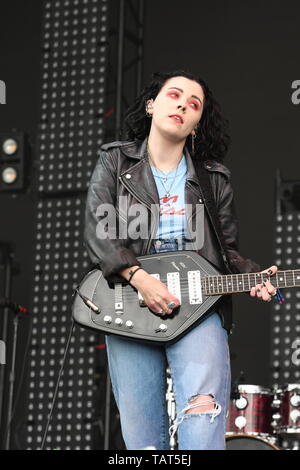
column 119, row 306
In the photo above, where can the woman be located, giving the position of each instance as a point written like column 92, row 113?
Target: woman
column 173, row 124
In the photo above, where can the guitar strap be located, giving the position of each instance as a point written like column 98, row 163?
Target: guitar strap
column 210, row 204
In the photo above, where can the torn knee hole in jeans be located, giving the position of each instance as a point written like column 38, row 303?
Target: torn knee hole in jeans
column 194, row 402
column 207, row 403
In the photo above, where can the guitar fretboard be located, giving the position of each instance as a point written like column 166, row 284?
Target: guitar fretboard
column 234, row 283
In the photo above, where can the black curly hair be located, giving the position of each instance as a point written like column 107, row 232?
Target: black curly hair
column 212, row 140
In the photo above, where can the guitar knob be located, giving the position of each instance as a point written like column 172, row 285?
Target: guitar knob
column 119, row 321
column 162, row 328
column 129, row 324
column 107, row 319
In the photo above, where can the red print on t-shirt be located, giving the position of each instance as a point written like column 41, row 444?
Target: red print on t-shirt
column 168, row 209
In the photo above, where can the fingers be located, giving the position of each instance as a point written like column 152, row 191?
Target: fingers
column 265, row 294
column 271, row 270
column 265, row 291
column 270, row 288
column 258, row 291
column 166, row 307
column 158, row 298
column 253, row 291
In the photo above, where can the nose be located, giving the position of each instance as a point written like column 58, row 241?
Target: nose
column 182, row 107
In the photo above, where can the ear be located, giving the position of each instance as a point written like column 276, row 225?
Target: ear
column 149, row 108
column 149, row 103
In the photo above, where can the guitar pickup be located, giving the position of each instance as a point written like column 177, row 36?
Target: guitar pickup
column 195, row 291
column 173, row 282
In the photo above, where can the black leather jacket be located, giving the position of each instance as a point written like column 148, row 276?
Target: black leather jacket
column 123, row 170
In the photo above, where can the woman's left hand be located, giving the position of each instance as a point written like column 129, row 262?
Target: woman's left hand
column 265, row 291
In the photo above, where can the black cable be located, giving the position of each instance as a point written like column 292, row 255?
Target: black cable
column 21, row 379
column 57, row 384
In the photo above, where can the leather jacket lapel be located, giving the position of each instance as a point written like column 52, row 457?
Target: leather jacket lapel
column 138, row 179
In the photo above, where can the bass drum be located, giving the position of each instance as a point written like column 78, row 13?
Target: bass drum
column 246, row 442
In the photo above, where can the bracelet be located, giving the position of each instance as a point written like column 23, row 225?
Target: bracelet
column 131, row 274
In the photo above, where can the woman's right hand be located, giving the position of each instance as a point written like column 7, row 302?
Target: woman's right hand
column 154, row 292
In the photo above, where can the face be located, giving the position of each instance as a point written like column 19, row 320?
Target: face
column 177, row 109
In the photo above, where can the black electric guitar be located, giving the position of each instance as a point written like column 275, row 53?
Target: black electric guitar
column 120, row 310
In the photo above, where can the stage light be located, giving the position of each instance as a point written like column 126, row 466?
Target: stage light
column 9, row 175
column 10, row 146
column 13, row 152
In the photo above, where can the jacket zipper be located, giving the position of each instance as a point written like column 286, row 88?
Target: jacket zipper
column 190, row 187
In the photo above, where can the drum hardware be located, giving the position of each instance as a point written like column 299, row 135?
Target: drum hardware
column 295, row 400
column 276, row 419
column 241, row 403
column 171, row 406
column 276, row 402
column 240, row 422
column 295, row 414
column 275, row 405
column 288, row 409
column 235, row 393
column 296, row 445
column 290, row 444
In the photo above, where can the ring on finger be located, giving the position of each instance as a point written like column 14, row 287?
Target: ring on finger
column 171, row 304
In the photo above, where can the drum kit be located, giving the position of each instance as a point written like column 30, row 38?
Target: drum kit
column 261, row 418
column 258, row 418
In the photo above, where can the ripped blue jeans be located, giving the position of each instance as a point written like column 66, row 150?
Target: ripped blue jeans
column 199, row 364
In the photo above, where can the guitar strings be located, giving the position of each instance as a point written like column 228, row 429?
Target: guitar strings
column 213, row 284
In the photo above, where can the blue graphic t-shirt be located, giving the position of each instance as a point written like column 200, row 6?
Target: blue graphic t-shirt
column 172, row 221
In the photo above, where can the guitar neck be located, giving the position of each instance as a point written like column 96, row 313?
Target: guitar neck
column 235, row 283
